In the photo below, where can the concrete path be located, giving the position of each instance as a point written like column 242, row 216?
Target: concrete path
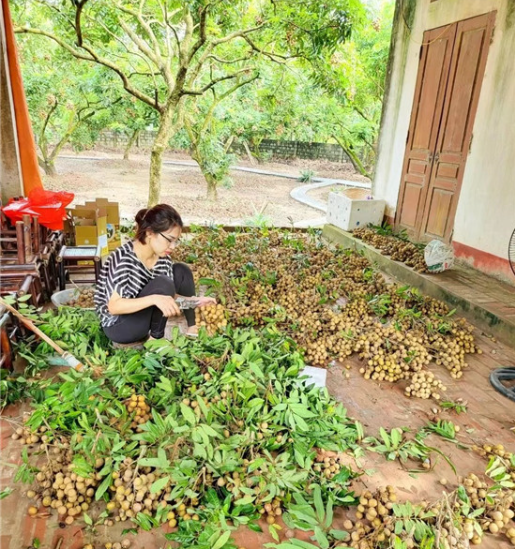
column 300, row 193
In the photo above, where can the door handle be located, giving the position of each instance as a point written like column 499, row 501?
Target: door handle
column 433, row 157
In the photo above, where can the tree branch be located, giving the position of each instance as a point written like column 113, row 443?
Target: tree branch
column 228, row 61
column 95, row 58
column 220, row 98
column 237, row 34
column 360, row 112
column 213, row 82
column 154, row 54
column 276, row 57
column 42, row 137
column 202, row 35
column 212, row 45
column 78, row 13
column 130, row 52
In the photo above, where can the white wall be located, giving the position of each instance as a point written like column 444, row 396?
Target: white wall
column 486, row 210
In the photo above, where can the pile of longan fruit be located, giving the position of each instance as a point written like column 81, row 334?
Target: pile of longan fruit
column 84, row 298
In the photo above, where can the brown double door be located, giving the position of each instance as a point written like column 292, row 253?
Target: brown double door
column 451, row 69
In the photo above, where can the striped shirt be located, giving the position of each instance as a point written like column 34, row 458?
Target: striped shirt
column 124, row 273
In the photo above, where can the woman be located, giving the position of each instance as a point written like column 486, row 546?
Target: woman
column 139, row 282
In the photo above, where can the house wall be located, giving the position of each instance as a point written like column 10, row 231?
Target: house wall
column 485, row 217
column 10, row 177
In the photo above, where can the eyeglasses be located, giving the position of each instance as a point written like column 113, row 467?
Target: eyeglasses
column 172, row 242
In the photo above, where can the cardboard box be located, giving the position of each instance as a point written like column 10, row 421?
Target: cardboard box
column 113, row 220
column 91, row 227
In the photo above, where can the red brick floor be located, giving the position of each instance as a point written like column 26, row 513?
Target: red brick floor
column 488, row 419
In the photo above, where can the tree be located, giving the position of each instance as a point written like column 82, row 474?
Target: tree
column 65, row 99
column 333, row 99
column 355, row 76
column 166, row 51
column 205, row 135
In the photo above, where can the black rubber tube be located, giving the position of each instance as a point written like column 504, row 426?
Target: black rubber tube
column 497, row 377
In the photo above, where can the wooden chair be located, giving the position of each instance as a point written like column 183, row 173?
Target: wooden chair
column 79, row 261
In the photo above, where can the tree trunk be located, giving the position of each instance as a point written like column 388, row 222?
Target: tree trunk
column 252, row 160
column 354, row 158
column 212, row 183
column 164, row 133
column 130, row 144
column 212, row 192
column 48, row 166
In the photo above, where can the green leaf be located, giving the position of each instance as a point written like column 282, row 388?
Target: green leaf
column 256, row 464
column 318, row 501
column 302, row 411
column 295, row 544
column 257, row 370
column 340, row 535
column 396, row 436
column 359, row 430
column 462, row 494
column 202, row 406
column 159, row 484
column 210, row 432
column 88, row 520
column 321, row 538
column 212, row 497
column 188, row 414
column 222, row 540
column 244, row 501
column 328, row 513
column 6, row 492
column 385, row 437
column 272, row 528
column 103, row 486
column 145, row 522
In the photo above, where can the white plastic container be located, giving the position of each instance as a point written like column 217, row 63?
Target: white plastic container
column 354, row 208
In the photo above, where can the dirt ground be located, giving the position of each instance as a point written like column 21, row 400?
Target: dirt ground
column 184, row 187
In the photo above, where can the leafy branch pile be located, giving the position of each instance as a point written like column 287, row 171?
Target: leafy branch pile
column 330, row 302
column 225, row 436
column 226, row 432
column 398, row 247
column 458, row 519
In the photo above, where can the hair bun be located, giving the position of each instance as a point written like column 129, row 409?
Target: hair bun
column 156, row 220
column 140, row 216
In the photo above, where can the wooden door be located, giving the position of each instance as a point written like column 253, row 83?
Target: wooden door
column 465, row 78
column 429, row 197
column 435, row 60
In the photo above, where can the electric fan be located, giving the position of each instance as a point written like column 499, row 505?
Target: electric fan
column 503, row 379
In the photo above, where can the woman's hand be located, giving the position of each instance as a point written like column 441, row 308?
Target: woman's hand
column 167, row 305
column 204, row 301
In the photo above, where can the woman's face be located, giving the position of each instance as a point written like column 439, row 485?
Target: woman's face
column 163, row 243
